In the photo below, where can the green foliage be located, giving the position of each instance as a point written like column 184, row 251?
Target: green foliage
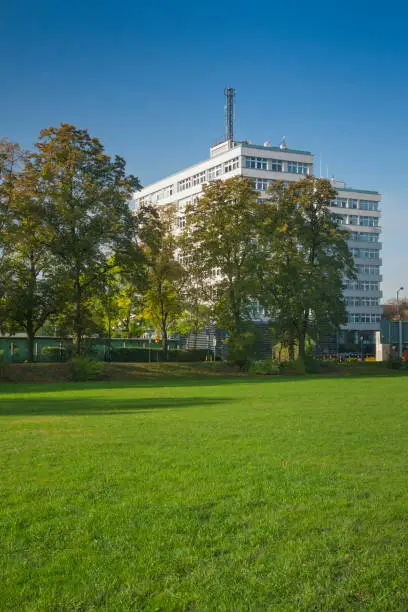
column 187, row 356
column 394, row 363
column 293, row 367
column 312, row 365
column 2, row 354
column 55, row 353
column 16, row 354
column 5, row 370
column 242, row 349
column 141, row 355
column 222, row 231
column 163, row 298
column 264, row 367
column 134, row 354
column 306, row 260
column 85, row 197
column 86, row 368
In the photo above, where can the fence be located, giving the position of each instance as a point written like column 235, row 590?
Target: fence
column 51, row 349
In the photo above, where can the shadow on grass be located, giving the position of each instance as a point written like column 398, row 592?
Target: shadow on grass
column 77, row 406
column 161, row 380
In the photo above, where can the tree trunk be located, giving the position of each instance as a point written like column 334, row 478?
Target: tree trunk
column 302, row 345
column 165, row 342
column 291, row 349
column 30, row 341
column 30, row 323
column 78, row 318
column 109, row 339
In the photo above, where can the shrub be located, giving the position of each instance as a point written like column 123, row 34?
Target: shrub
column 85, row 368
column 265, row 367
column 242, row 349
column 394, row 363
column 133, row 354
column 293, row 368
column 2, row 354
column 55, row 353
column 5, row 371
column 312, row 365
column 16, row 354
column 193, row 355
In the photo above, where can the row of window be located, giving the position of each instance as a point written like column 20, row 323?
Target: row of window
column 357, row 285
column 184, row 259
column 180, row 223
column 362, row 301
column 277, row 165
column 298, row 167
column 362, row 317
column 208, row 175
column 365, row 237
column 357, row 220
column 351, row 203
column 261, row 184
column 365, row 253
column 368, row 270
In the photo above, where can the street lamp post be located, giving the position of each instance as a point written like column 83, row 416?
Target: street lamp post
column 361, row 346
column 399, row 324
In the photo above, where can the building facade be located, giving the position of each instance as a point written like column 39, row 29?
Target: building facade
column 357, row 210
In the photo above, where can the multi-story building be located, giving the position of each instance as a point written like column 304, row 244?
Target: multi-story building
column 358, row 213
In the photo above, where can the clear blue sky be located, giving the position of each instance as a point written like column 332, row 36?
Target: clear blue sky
column 148, row 80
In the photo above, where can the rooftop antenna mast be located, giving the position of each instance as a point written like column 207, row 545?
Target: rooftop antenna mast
column 229, row 113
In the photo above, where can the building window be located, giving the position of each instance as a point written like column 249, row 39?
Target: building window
column 370, row 254
column 261, row 184
column 352, row 301
column 215, row 172
column 340, row 202
column 365, row 237
column 231, row 164
column 185, row 260
column 368, row 205
column 368, row 270
column 259, row 163
column 370, row 301
column 352, row 203
column 181, row 222
column 184, row 184
column 356, row 285
column 297, row 167
column 353, row 220
column 340, row 219
column 276, row 165
column 200, row 178
column 369, row 221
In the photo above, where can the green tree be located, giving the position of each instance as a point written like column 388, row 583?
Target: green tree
column 306, row 260
column 11, row 161
column 222, row 235
column 163, row 299
column 34, row 290
column 85, row 196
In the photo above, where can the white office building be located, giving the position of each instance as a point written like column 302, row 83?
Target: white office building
column 358, row 212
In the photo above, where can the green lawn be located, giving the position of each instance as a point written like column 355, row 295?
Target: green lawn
column 228, row 494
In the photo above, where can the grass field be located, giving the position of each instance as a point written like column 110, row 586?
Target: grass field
column 227, row 494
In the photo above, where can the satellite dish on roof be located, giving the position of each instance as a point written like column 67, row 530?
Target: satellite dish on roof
column 283, row 144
